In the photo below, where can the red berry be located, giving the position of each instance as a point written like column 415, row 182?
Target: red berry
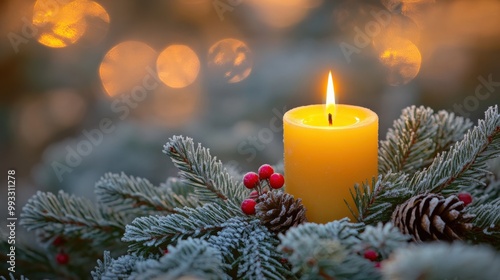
column 466, row 198
column 370, row 255
column 265, row 171
column 62, row 258
column 248, row 206
column 58, row 241
column 250, row 180
column 165, row 251
column 276, row 181
column 378, row 265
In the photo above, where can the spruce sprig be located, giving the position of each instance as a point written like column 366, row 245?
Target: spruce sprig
column 417, row 137
column 205, row 173
column 138, row 196
column 190, row 257
column 463, row 164
column 146, row 234
column 72, row 217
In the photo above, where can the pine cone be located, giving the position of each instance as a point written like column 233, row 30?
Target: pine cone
column 432, row 217
column 279, row 211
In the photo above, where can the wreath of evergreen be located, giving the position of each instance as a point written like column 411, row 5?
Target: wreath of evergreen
column 192, row 226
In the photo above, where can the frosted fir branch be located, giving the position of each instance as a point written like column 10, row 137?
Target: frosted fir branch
column 376, row 203
column 258, row 256
column 205, row 173
column 72, row 217
column 177, row 186
column 146, row 234
column 326, row 251
column 443, row 261
column 102, row 266
column 489, row 189
column 465, row 162
column 110, row 269
column 411, row 135
column 138, row 196
column 450, row 129
column 487, row 219
column 382, row 238
column 417, row 137
column 12, row 277
column 346, row 233
column 228, row 240
column 191, row 257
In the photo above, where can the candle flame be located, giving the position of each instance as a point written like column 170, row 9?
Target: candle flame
column 330, row 99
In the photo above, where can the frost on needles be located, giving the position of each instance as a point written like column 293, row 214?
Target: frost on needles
column 192, row 225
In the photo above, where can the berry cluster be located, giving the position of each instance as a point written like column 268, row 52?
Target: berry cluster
column 266, row 177
column 372, row 256
column 61, row 258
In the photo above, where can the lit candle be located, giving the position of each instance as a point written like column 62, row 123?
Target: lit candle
column 328, row 149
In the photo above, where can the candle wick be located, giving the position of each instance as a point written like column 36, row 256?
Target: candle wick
column 330, row 119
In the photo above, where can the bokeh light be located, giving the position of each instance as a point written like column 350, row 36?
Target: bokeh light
column 231, row 59
column 33, row 129
column 125, row 66
column 280, row 14
column 175, row 108
column 402, row 60
column 60, row 24
column 178, row 66
column 66, row 107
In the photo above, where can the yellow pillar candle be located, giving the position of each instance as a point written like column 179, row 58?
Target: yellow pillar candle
column 327, row 150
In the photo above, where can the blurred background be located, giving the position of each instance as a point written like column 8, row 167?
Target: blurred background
column 89, row 87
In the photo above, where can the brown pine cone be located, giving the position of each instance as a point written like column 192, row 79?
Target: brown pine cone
column 432, row 217
column 279, row 211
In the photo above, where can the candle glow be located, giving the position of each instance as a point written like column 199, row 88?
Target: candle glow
column 330, row 99
column 328, row 148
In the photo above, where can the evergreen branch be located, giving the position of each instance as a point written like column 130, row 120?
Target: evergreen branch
column 347, row 234
column 191, row 257
column 465, row 162
column 417, row 137
column 450, row 129
column 129, row 194
column 228, row 240
column 111, row 269
column 258, row 256
column 383, row 238
column 205, row 173
column 72, row 217
column 405, row 143
column 12, row 277
column 177, row 186
column 146, row 233
column 487, row 222
column 443, row 261
column 377, row 205
column 487, row 190
column 326, row 251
